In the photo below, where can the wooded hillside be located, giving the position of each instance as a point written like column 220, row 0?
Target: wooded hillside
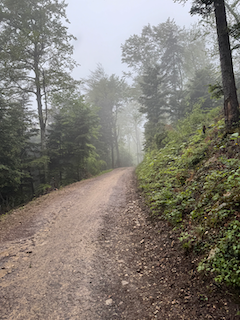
column 190, row 175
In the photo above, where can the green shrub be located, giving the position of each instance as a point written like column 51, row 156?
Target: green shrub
column 43, row 189
column 193, row 186
column 224, row 259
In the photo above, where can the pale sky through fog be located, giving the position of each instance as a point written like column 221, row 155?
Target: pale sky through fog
column 101, row 26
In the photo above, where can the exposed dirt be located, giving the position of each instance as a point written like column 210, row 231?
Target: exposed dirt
column 89, row 251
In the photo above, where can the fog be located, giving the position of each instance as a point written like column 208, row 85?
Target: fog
column 101, row 26
column 80, row 128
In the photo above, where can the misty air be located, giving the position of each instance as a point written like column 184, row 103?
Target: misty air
column 119, row 159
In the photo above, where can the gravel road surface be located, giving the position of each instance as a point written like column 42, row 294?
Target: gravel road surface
column 89, row 252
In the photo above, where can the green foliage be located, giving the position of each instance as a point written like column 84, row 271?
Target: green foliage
column 36, row 51
column 216, row 91
column 15, row 148
column 193, row 183
column 35, row 55
column 173, row 75
column 202, row 7
column 95, row 165
column 43, row 189
column 69, row 142
column 224, row 259
column 198, row 89
column 39, row 163
column 34, row 41
column 177, row 48
column 154, row 95
column 108, row 95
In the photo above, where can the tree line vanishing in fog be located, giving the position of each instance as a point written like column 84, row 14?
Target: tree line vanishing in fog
column 80, row 128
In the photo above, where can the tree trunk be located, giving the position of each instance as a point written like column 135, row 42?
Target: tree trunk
column 116, row 145
column 231, row 107
column 112, row 150
column 137, row 142
column 42, row 119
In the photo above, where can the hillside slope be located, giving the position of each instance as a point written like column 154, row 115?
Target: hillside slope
column 90, row 251
column 193, row 182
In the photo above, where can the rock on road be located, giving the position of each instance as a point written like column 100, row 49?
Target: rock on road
column 87, row 252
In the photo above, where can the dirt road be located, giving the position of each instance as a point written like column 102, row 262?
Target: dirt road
column 88, row 252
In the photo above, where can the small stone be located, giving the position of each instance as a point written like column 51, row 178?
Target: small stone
column 124, row 283
column 212, row 253
column 109, row 302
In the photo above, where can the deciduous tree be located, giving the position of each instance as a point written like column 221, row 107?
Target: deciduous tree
column 108, row 94
column 35, row 51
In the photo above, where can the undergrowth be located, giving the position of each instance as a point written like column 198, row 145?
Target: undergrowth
column 194, row 183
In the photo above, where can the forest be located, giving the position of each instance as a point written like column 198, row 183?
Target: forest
column 55, row 130
column 175, row 112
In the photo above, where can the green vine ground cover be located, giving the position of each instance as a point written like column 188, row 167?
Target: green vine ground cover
column 194, row 183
